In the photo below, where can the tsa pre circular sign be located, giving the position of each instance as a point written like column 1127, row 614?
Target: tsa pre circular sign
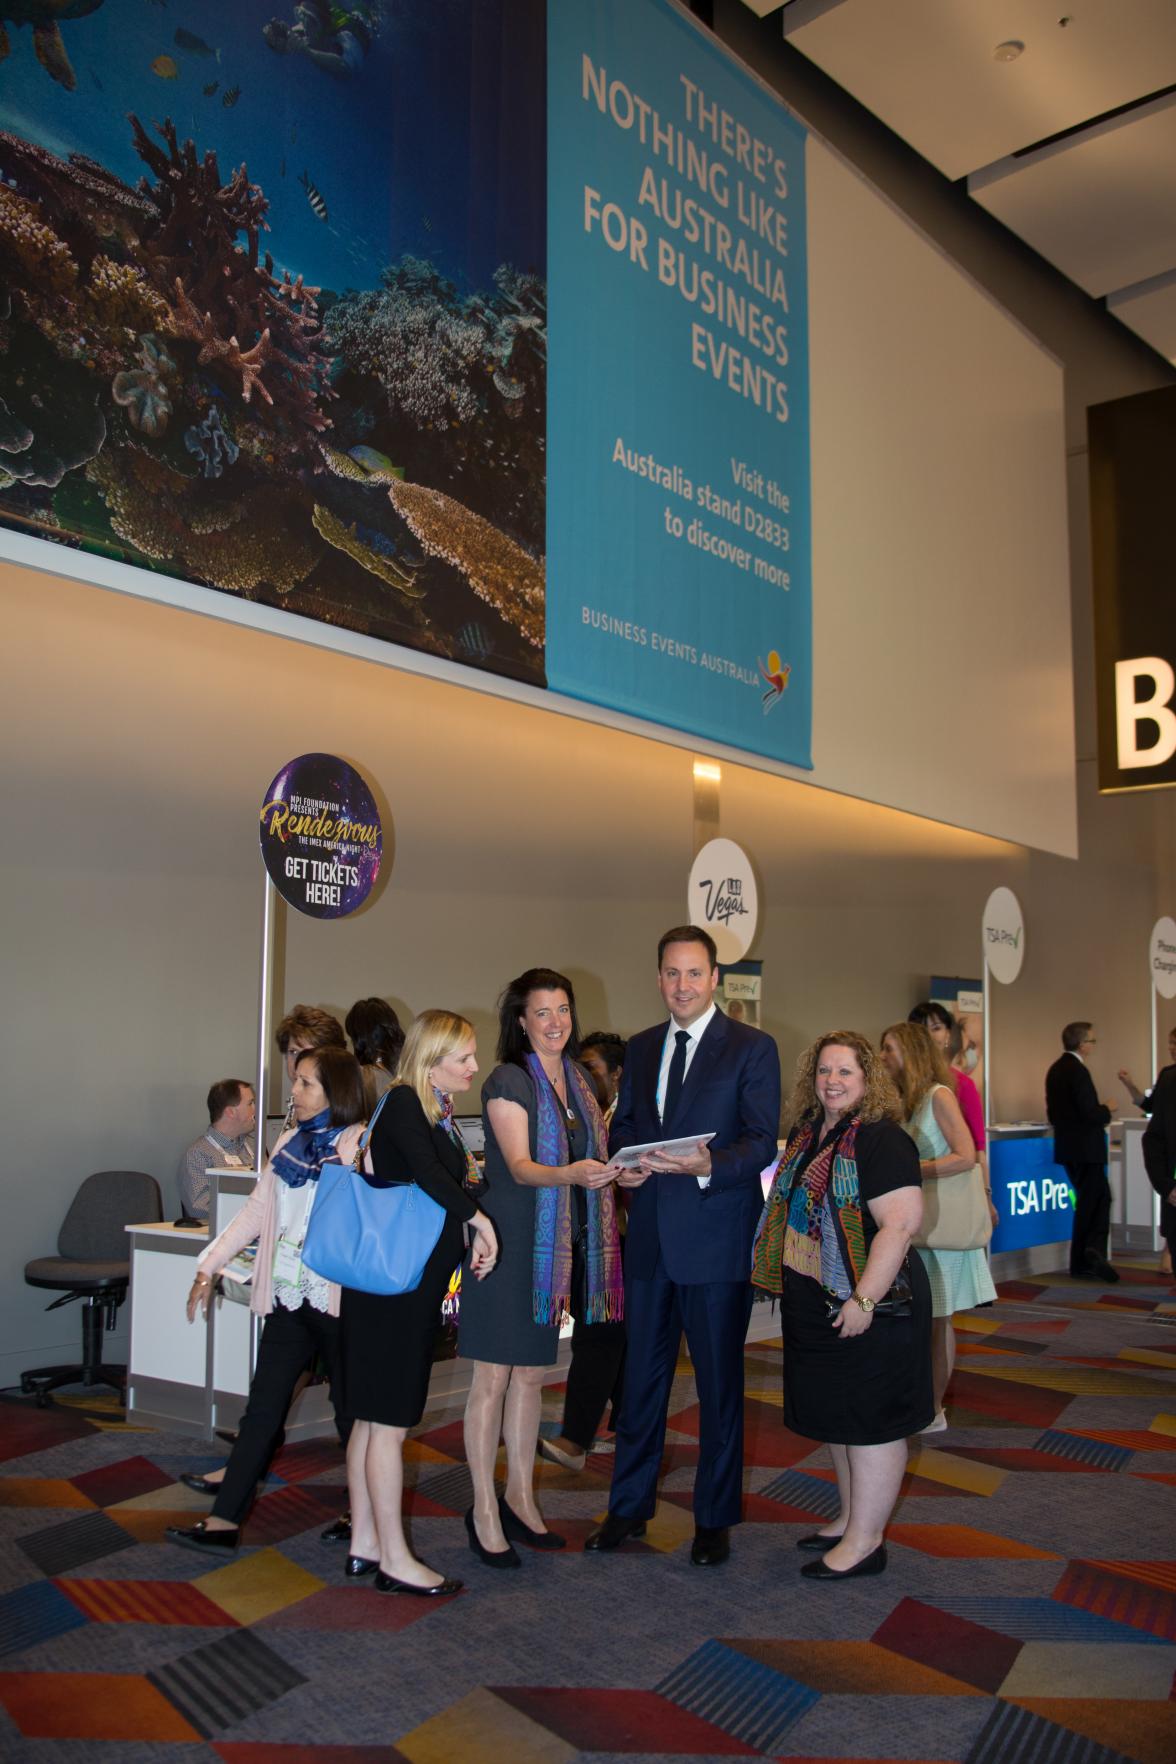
column 320, row 836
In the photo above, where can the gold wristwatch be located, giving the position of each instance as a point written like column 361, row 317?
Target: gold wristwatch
column 859, row 1298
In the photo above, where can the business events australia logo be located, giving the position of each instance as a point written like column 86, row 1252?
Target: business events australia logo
column 776, row 673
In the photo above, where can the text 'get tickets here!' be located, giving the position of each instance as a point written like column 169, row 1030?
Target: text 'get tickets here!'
column 678, row 525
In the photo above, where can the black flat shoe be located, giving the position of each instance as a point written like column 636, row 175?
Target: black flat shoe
column 507, row 1558
column 815, row 1541
column 613, row 1532
column 711, row 1546
column 200, row 1484
column 358, row 1566
column 387, row 1583
column 513, row 1526
column 874, row 1563
column 213, row 1542
column 338, row 1531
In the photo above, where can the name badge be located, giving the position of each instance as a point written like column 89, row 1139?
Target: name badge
column 287, row 1262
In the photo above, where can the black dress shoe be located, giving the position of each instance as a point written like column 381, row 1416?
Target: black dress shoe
column 874, row 1563
column 1098, row 1267
column 712, row 1545
column 814, row 1541
column 201, row 1484
column 339, row 1530
column 212, row 1542
column 507, row 1558
column 613, row 1532
column 513, row 1527
column 387, row 1583
column 358, row 1566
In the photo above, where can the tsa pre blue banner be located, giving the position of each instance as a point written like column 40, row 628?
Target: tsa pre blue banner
column 678, row 533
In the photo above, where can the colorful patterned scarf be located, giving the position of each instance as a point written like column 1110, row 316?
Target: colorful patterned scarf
column 302, row 1158
column 789, row 1234
column 473, row 1181
column 552, row 1264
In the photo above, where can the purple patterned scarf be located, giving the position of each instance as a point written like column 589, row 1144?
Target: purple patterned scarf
column 552, row 1264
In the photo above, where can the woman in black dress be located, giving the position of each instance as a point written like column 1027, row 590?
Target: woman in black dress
column 549, row 1191
column 835, row 1234
column 388, row 1341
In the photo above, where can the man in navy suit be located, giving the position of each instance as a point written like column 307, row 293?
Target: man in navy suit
column 688, row 1251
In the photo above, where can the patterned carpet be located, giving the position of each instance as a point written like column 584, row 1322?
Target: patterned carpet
column 1028, row 1615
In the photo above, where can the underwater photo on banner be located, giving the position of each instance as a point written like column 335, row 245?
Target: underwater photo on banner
column 679, row 548
column 273, row 306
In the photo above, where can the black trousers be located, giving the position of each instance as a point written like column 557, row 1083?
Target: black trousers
column 289, row 1343
column 595, row 1376
column 1092, row 1214
column 596, row 1373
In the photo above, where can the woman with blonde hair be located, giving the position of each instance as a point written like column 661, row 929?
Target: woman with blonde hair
column 388, row 1341
column 855, row 1305
column 932, row 1116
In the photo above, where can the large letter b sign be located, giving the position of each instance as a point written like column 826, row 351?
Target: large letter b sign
column 1155, row 708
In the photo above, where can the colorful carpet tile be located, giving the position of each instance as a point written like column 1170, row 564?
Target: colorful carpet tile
column 1027, row 1614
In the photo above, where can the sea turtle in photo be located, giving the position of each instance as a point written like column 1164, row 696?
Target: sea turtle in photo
column 44, row 15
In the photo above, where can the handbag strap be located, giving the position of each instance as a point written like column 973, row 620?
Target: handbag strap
column 361, row 1148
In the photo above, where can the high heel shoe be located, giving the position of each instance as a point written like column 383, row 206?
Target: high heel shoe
column 507, row 1558
column 358, row 1566
column 513, row 1526
column 388, row 1583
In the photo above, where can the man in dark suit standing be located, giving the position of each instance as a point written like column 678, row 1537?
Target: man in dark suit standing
column 1079, row 1122
column 1159, row 1152
column 688, row 1251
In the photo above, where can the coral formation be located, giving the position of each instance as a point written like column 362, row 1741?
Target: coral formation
column 119, row 295
column 148, row 508
column 32, row 247
column 212, row 445
column 366, row 550
column 143, row 392
column 53, row 403
column 497, row 569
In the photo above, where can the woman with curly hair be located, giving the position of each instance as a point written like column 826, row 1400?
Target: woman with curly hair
column 834, row 1242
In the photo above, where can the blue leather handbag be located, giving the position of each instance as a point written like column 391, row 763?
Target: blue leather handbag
column 370, row 1239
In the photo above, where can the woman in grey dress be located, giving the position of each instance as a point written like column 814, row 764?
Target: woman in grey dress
column 549, row 1194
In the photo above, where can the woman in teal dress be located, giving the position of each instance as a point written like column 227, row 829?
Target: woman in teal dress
column 960, row 1279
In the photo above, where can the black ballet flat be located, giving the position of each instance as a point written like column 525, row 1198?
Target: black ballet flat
column 514, row 1527
column 874, row 1563
column 387, row 1583
column 358, row 1566
column 199, row 1484
column 338, row 1531
column 507, row 1558
column 814, row 1541
column 213, row 1541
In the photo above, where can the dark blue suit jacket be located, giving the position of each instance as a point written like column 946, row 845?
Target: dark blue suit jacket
column 732, row 1090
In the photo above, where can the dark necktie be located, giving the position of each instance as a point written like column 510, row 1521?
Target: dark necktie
column 676, row 1074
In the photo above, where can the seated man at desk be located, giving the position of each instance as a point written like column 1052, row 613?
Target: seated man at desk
column 226, row 1143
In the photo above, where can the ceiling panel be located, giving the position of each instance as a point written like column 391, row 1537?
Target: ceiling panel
column 1101, row 207
column 926, row 67
column 1150, row 312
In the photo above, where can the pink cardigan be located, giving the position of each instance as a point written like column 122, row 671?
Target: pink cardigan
column 258, row 1219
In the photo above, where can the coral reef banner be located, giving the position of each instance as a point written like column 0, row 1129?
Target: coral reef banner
column 273, row 305
column 678, row 510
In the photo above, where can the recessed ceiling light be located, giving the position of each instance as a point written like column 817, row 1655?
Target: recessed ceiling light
column 1008, row 51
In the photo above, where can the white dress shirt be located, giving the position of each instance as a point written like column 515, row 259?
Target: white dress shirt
column 695, row 1031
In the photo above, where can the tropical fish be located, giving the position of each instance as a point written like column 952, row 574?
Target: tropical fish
column 193, row 44
column 426, row 223
column 231, row 97
column 97, row 81
column 314, row 197
column 210, row 89
column 294, row 135
column 165, row 68
column 282, row 173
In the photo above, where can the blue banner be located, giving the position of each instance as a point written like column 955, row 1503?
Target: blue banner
column 678, row 533
column 1030, row 1192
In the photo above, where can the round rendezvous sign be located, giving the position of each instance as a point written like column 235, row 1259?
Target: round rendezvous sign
column 320, row 836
